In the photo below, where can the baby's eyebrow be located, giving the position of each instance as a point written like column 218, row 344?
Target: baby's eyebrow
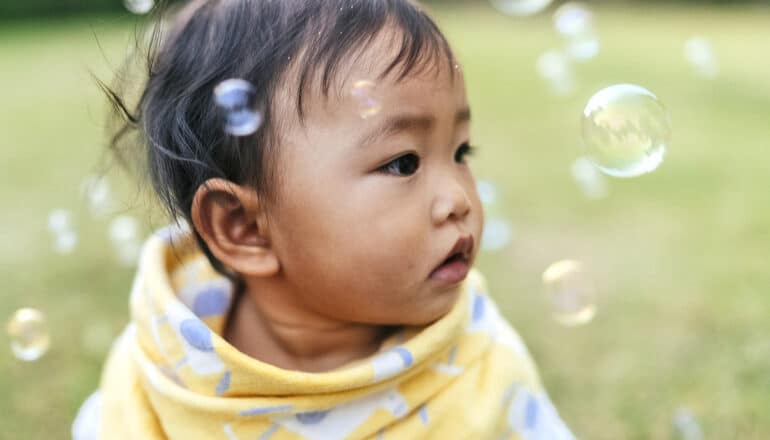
column 408, row 122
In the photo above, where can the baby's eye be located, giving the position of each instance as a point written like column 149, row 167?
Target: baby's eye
column 463, row 151
column 405, row 165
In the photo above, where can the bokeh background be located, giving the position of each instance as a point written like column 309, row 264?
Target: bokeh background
column 680, row 256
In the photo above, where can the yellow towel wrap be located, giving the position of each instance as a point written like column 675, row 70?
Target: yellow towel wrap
column 171, row 375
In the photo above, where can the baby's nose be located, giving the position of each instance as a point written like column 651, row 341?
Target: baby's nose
column 452, row 202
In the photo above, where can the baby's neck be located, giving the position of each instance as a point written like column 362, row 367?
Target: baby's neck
column 278, row 333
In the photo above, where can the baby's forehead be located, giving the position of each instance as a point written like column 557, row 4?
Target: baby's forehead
column 374, row 71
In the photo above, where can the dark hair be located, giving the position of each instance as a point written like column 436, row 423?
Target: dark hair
column 259, row 41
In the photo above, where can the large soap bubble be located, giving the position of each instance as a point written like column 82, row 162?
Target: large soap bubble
column 626, row 130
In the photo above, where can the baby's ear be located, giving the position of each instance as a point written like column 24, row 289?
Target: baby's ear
column 230, row 219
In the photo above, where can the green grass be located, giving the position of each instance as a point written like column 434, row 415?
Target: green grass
column 680, row 254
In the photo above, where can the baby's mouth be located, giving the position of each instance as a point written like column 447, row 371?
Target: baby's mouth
column 456, row 265
column 452, row 259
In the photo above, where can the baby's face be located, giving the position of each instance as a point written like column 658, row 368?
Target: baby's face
column 370, row 207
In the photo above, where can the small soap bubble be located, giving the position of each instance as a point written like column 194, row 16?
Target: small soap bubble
column 589, row 179
column 583, row 47
column 571, row 293
column 124, row 228
column 699, row 53
column 29, row 334
column 237, row 98
column 366, row 101
column 139, row 6
column 63, row 236
column 487, row 192
column 573, row 18
column 626, row 130
column 65, row 242
column 497, row 234
column 686, row 426
column 98, row 195
column 520, row 7
column 556, row 70
column 575, row 22
column 124, row 234
column 59, row 220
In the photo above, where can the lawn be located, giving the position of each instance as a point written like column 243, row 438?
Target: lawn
column 680, row 255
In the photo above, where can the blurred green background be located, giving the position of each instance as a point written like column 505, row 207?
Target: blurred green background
column 680, row 255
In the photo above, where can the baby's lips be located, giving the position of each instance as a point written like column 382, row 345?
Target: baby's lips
column 462, row 247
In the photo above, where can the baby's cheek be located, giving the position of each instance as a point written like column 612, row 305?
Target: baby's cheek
column 400, row 258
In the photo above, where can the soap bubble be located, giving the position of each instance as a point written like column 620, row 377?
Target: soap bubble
column 139, row 6
column 65, row 242
column 571, row 293
column 555, row 68
column 573, row 18
column 700, row 55
column 591, row 182
column 366, row 101
column 487, row 192
column 237, row 98
column 686, row 426
column 59, row 220
column 520, row 7
column 64, row 237
column 124, row 228
column 583, row 47
column 574, row 21
column 124, row 235
column 98, row 195
column 626, row 130
column 497, row 234
column 29, row 334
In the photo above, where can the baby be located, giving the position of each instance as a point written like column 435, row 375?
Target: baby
column 323, row 289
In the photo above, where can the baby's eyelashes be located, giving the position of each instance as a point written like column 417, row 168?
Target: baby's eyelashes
column 405, row 165
column 464, row 151
column 408, row 164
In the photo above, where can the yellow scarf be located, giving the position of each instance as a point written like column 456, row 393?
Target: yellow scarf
column 170, row 375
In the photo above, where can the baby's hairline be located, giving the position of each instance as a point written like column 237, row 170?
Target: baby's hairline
column 316, row 87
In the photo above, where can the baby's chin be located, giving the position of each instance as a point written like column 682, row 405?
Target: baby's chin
column 431, row 310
